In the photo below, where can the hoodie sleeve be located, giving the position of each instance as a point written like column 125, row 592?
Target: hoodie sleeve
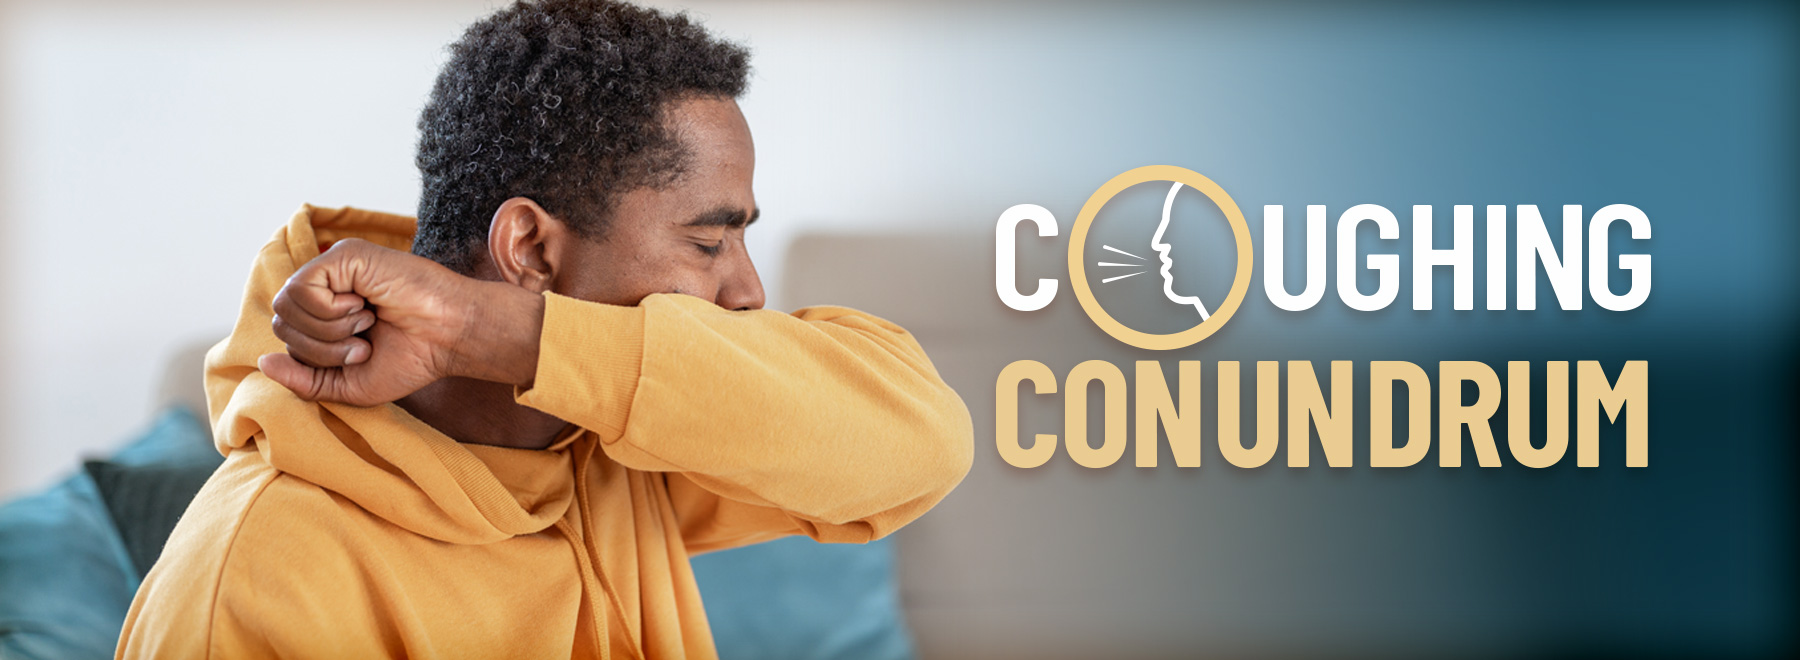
column 827, row 422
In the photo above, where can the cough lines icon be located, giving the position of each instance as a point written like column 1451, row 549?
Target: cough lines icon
column 1128, row 254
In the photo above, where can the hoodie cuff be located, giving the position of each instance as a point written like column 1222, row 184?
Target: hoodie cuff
column 590, row 356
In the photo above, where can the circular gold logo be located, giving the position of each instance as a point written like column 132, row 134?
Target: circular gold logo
column 1240, row 231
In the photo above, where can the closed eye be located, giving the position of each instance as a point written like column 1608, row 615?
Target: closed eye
column 710, row 250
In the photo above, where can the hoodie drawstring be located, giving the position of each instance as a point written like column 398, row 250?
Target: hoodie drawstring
column 596, row 590
column 589, row 585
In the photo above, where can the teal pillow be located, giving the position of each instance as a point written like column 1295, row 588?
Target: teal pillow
column 177, row 437
column 797, row 599
column 67, row 574
column 148, row 484
column 66, row 579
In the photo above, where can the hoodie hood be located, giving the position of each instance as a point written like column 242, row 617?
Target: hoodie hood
column 381, row 458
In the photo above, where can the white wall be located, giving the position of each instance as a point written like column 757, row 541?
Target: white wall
column 148, row 149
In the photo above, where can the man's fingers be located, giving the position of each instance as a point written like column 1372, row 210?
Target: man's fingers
column 307, row 293
column 325, row 330
column 318, row 353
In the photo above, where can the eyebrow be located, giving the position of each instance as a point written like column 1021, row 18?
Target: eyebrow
column 725, row 216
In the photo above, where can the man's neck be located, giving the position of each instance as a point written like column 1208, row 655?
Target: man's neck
column 482, row 413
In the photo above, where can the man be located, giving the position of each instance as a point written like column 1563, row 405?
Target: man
column 510, row 444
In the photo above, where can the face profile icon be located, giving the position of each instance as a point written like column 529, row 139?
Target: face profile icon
column 1211, row 318
column 1162, row 249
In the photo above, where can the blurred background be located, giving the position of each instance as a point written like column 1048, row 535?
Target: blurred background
column 147, row 149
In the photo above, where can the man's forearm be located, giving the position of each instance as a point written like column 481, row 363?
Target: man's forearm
column 831, row 415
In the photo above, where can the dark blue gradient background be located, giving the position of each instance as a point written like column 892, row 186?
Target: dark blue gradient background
column 1686, row 111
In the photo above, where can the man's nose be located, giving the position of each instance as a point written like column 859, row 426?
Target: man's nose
column 741, row 288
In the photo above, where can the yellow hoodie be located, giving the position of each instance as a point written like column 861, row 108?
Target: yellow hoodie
column 334, row 531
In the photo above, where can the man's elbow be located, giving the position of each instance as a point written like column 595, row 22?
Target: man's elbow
column 938, row 458
column 928, row 452
column 953, row 443
column 942, row 449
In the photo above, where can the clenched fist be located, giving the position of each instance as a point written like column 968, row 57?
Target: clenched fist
column 366, row 325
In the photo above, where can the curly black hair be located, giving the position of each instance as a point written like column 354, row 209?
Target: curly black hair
column 560, row 101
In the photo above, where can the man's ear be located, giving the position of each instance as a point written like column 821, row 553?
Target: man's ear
column 523, row 244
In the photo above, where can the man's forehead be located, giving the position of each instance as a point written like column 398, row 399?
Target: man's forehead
column 711, row 127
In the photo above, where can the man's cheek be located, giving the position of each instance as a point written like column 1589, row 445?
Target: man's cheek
column 702, row 288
